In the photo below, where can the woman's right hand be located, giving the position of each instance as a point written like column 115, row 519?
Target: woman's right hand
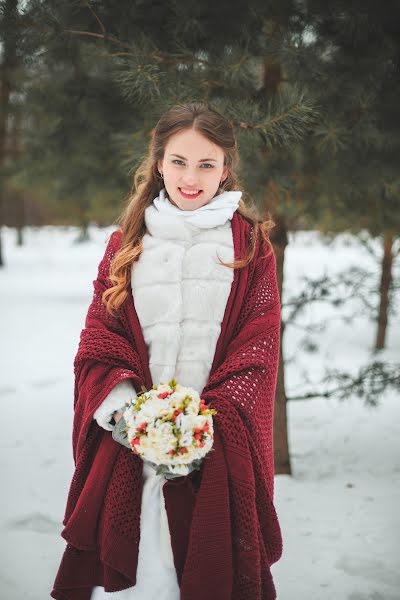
column 117, row 415
column 119, row 431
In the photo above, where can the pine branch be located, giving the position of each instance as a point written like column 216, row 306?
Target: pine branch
column 285, row 118
column 136, row 49
column 103, row 29
column 345, row 287
column 369, row 383
column 103, row 36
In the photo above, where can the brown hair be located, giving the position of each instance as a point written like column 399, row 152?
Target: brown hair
column 148, row 184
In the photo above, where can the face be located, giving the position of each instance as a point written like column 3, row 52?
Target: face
column 193, row 168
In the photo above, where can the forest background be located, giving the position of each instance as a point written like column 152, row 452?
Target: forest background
column 312, row 89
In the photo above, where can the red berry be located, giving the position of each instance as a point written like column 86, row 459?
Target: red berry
column 202, row 444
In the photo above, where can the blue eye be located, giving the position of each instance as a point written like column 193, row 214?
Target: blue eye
column 176, row 160
column 208, row 165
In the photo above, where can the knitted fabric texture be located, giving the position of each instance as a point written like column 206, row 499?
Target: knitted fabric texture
column 225, row 533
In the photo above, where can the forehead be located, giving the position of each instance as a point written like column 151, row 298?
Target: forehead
column 193, row 145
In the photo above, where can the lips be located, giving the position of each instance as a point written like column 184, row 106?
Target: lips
column 190, row 196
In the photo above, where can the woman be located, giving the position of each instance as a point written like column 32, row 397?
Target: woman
column 186, row 289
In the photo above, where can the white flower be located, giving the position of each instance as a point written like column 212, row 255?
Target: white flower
column 175, row 401
column 165, row 427
column 188, row 391
column 193, row 407
column 186, row 439
column 151, row 409
column 189, row 422
column 129, row 416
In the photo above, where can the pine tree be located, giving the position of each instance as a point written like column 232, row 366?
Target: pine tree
column 343, row 175
column 353, row 70
column 76, row 114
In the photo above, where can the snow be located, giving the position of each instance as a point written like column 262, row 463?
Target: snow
column 339, row 508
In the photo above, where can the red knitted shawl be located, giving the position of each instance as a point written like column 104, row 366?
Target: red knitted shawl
column 224, row 529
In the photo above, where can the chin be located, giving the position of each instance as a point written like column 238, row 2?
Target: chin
column 186, row 205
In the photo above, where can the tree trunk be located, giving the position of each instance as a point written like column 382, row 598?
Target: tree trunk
column 20, row 221
column 20, row 204
column 83, row 235
column 20, row 217
column 384, row 290
column 1, row 237
column 10, row 13
column 272, row 81
column 281, row 446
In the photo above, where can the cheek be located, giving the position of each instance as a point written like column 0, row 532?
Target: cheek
column 213, row 174
column 172, row 170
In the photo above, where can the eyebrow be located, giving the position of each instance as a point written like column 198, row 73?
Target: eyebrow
column 201, row 160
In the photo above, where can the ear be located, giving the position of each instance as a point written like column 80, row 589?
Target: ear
column 159, row 166
column 224, row 173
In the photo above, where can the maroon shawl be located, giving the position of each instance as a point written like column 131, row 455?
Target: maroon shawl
column 224, row 529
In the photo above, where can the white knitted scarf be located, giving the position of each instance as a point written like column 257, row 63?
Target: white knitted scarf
column 216, row 212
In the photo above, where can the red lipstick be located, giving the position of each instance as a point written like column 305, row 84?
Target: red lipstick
column 190, row 196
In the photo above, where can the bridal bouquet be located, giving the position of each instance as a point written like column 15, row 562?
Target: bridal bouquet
column 170, row 428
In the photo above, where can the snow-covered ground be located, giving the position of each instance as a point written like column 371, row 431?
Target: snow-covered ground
column 339, row 511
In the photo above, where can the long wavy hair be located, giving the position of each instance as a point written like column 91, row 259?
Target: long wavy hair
column 148, row 184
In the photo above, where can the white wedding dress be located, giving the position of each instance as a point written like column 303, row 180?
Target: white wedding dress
column 180, row 293
column 156, row 576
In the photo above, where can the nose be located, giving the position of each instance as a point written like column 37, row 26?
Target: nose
column 190, row 177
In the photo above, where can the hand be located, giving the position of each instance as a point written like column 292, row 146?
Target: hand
column 117, row 415
column 119, row 432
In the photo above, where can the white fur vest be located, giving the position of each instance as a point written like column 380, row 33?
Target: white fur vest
column 180, row 293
